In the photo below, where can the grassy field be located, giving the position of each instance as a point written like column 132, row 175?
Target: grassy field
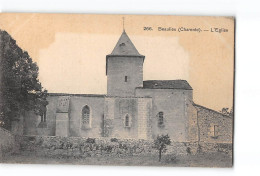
column 201, row 160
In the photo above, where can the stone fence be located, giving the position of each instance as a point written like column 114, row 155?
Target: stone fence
column 7, row 142
column 86, row 147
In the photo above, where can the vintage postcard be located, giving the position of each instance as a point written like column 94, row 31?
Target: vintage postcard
column 134, row 90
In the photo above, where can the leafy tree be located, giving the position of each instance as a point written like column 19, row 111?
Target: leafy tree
column 20, row 89
column 160, row 143
column 227, row 112
column 231, row 112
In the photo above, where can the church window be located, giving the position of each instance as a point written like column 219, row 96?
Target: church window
column 160, row 119
column 43, row 123
column 43, row 114
column 127, row 121
column 86, row 116
column 125, row 78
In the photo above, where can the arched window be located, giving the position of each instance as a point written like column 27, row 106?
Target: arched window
column 127, row 121
column 85, row 116
column 160, row 119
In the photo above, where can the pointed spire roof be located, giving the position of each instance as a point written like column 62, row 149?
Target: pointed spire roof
column 125, row 47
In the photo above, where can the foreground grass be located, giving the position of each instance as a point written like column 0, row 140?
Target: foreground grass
column 201, row 160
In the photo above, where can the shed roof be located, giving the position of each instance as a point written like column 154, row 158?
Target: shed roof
column 203, row 107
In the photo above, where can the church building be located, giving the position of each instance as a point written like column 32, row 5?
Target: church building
column 132, row 108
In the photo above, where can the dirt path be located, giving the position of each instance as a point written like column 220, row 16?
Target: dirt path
column 208, row 160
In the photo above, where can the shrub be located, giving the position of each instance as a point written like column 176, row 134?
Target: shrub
column 108, row 148
column 199, row 149
column 170, row 159
column 32, row 138
column 91, row 140
column 114, row 140
column 160, row 143
column 188, row 150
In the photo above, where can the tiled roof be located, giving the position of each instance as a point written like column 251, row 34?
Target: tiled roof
column 76, row 95
column 125, row 47
column 166, row 84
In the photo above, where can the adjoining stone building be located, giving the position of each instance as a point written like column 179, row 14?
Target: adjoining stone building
column 132, row 108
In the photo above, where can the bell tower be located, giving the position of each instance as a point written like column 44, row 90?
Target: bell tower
column 124, row 68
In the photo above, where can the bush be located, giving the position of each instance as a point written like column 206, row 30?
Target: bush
column 108, row 148
column 188, row 150
column 31, row 138
column 170, row 159
column 199, row 150
column 114, row 140
column 160, row 143
column 91, row 140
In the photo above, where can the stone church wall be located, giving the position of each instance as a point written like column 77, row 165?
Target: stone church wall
column 144, row 118
column 117, row 108
column 192, row 122
column 117, row 69
column 115, row 120
column 73, row 114
column 96, row 105
column 51, row 114
column 207, row 119
column 172, row 102
column 31, row 120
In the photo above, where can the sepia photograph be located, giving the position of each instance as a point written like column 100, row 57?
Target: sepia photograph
column 117, row 90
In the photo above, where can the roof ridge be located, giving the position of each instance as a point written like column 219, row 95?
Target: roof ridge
column 167, row 80
column 210, row 109
column 167, row 84
column 74, row 94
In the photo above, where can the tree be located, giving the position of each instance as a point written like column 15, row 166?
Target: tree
column 160, row 143
column 20, row 88
column 227, row 112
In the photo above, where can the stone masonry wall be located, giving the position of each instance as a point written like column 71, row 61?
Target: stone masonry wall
column 172, row 102
column 144, row 118
column 69, row 109
column 137, row 109
column 192, row 122
column 31, row 121
column 7, row 142
column 48, row 146
column 96, row 105
column 120, row 67
column 116, row 110
column 207, row 119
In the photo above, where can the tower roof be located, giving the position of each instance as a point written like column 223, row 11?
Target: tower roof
column 125, row 47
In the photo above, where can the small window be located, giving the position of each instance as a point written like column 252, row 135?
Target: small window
column 125, row 78
column 127, row 121
column 214, row 131
column 85, row 116
column 122, row 44
column 160, row 119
